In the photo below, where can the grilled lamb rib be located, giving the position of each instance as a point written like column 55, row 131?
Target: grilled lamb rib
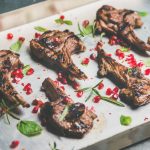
column 136, row 87
column 55, row 48
column 78, row 120
column 10, row 61
column 121, row 23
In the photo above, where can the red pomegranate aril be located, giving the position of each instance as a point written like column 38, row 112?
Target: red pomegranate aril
column 56, row 83
column 76, row 85
column 63, row 80
column 115, row 90
column 14, row 144
column 100, row 86
column 35, row 102
column 85, row 61
column 35, row 109
column 37, row 35
column 118, row 51
column 67, row 99
column 96, row 99
column 93, row 56
column 147, row 71
column 115, row 96
column 63, row 88
column 29, row 91
column 85, row 23
column 140, row 64
column 62, row 17
column 108, row 91
column 21, row 39
column 30, row 71
column 27, row 87
column 79, row 94
column 9, row 36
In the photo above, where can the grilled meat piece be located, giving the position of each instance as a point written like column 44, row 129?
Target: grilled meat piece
column 55, row 48
column 121, row 23
column 77, row 121
column 10, row 61
column 136, row 87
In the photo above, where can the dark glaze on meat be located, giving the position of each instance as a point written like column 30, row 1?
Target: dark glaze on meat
column 136, row 86
column 10, row 61
column 121, row 23
column 55, row 48
column 77, row 122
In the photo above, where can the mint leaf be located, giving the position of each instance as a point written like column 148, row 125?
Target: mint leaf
column 125, row 120
column 88, row 29
column 29, row 128
column 59, row 21
column 40, row 29
column 16, row 46
column 25, row 69
column 124, row 49
column 142, row 13
column 68, row 22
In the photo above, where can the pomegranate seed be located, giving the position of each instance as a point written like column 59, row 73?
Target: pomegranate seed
column 62, row 17
column 35, row 102
column 85, row 23
column 37, row 35
column 79, row 94
column 140, row 64
column 147, row 71
column 85, row 61
column 9, row 36
column 67, row 99
column 100, row 86
column 35, row 109
column 30, row 71
column 108, row 91
column 118, row 51
column 115, row 90
column 26, row 87
column 56, row 83
column 115, row 96
column 29, row 91
column 14, row 144
column 63, row 88
column 40, row 103
column 93, row 56
column 76, row 85
column 63, row 80
column 21, row 39
column 96, row 99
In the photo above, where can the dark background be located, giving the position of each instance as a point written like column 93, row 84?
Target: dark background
column 9, row 5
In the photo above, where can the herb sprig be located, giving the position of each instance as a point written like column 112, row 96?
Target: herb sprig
column 62, row 21
column 93, row 90
column 142, row 13
column 16, row 46
column 40, row 29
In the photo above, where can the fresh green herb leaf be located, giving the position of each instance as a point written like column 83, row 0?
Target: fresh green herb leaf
column 110, row 100
column 124, row 49
column 25, row 69
column 129, row 70
column 102, row 35
column 125, row 120
column 68, row 22
column 97, row 84
column 142, row 13
column 59, row 21
column 29, row 128
column 16, row 46
column 64, row 113
column 40, row 29
column 90, row 95
column 81, row 32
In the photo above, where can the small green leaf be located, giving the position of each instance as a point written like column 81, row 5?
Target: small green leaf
column 97, row 84
column 59, row 21
column 16, row 46
column 142, row 13
column 90, row 95
column 124, row 49
column 25, row 69
column 68, row 22
column 29, row 128
column 88, row 30
column 64, row 113
column 40, row 29
column 125, row 120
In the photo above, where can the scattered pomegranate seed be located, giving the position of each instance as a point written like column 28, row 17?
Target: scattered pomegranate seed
column 140, row 64
column 37, row 35
column 67, row 99
column 108, row 91
column 9, row 36
column 35, row 109
column 131, row 60
column 120, row 54
column 85, row 23
column 79, row 94
column 93, row 56
column 61, row 78
column 147, row 71
column 35, row 102
column 14, row 144
column 21, row 39
column 62, row 17
column 99, row 45
column 100, row 86
column 96, row 99
column 17, row 75
column 30, row 71
column 115, row 96
column 85, row 61
column 29, row 91
column 76, row 85
column 63, row 88
column 27, row 86
column 113, row 40
column 115, row 90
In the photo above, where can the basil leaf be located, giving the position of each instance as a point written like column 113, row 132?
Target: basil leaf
column 16, row 46
column 64, row 113
column 40, row 29
column 68, row 22
column 125, row 120
column 25, row 69
column 142, row 13
column 29, row 128
column 124, row 49
column 60, row 21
